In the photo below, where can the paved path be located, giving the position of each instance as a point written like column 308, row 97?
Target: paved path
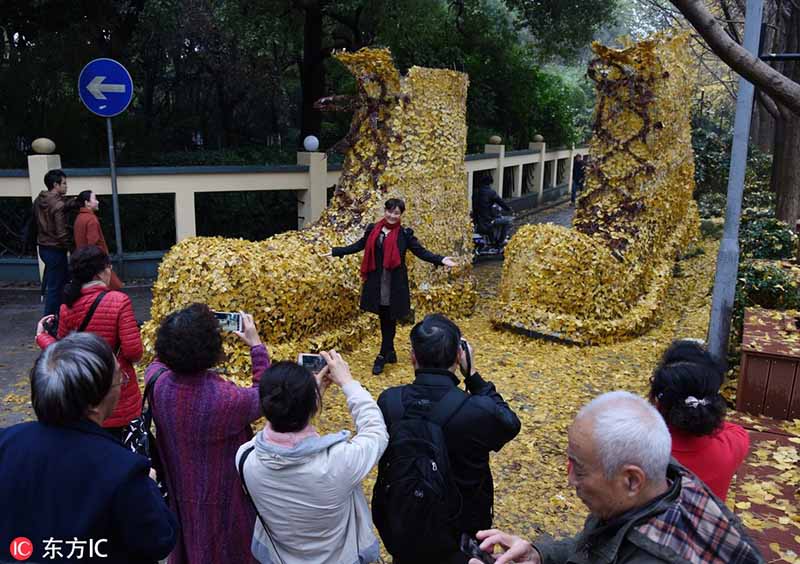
column 20, row 310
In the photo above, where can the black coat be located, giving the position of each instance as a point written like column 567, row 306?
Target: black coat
column 482, row 201
column 484, row 423
column 400, row 298
column 79, row 481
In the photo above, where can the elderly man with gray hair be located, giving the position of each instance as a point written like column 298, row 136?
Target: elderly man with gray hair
column 643, row 507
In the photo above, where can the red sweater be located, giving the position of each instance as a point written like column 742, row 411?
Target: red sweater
column 713, row 458
column 113, row 320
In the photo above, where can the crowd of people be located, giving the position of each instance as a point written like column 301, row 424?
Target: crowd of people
column 653, row 473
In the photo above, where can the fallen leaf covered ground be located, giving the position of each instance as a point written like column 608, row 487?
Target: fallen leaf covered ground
column 546, row 383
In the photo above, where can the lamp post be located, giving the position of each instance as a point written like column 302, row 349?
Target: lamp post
column 728, row 258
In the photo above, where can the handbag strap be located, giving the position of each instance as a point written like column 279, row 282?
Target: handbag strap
column 148, row 392
column 242, row 460
column 85, row 322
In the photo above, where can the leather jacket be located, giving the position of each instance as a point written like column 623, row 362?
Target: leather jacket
column 51, row 220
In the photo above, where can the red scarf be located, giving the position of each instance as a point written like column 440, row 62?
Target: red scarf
column 391, row 253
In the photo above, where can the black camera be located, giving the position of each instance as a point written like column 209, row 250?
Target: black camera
column 471, row 548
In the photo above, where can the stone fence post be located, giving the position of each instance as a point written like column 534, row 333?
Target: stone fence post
column 38, row 166
column 540, row 147
column 497, row 173
column 312, row 202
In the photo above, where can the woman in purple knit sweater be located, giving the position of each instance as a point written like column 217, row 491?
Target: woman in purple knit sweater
column 201, row 420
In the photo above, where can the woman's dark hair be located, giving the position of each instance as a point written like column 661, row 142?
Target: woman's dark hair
column 84, row 265
column 189, row 340
column 435, row 341
column 392, row 203
column 289, row 396
column 83, row 197
column 70, row 376
column 685, row 389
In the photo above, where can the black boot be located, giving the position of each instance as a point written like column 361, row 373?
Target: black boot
column 391, row 358
column 377, row 367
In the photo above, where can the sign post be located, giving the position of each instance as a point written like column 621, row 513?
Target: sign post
column 722, row 298
column 106, row 88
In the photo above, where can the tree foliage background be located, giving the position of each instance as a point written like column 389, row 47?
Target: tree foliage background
column 231, row 81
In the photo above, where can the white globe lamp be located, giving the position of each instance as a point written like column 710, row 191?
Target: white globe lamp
column 311, row 143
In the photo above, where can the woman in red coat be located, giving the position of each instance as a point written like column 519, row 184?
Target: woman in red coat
column 685, row 390
column 113, row 320
column 87, row 229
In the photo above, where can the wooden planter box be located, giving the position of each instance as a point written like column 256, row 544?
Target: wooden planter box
column 769, row 383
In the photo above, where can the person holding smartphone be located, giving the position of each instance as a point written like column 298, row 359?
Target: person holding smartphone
column 385, row 290
column 201, row 419
column 307, row 487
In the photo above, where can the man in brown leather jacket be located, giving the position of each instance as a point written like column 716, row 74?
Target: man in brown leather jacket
column 53, row 237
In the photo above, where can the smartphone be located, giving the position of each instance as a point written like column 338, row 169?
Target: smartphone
column 471, row 548
column 229, row 320
column 313, row 362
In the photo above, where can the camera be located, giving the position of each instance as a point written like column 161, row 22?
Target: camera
column 313, row 362
column 471, row 548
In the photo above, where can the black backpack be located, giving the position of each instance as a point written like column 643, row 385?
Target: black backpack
column 416, row 503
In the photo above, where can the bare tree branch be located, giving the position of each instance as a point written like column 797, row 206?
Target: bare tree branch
column 779, row 87
column 768, row 103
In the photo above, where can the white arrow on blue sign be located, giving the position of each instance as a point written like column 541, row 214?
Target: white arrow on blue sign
column 105, row 87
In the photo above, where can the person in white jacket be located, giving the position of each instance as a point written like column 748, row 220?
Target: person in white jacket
column 306, row 487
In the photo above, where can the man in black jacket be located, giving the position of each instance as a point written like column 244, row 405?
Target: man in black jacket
column 483, row 201
column 484, row 422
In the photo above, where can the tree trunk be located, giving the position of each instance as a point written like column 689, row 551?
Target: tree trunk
column 786, row 160
column 312, row 72
column 762, row 129
column 786, row 168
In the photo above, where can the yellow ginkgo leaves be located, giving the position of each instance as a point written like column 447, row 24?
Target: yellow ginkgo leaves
column 607, row 277
column 408, row 140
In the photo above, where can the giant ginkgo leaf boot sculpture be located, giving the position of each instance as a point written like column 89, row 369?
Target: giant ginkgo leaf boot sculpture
column 605, row 278
column 407, row 140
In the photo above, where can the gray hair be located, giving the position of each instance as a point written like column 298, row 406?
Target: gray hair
column 628, row 430
column 70, row 376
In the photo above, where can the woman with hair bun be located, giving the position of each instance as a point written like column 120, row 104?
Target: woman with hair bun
column 306, row 487
column 112, row 319
column 685, row 390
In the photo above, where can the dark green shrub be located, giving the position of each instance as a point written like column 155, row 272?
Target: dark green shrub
column 767, row 238
column 761, row 199
column 711, row 204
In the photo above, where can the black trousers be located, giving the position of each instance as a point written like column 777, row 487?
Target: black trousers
column 388, row 330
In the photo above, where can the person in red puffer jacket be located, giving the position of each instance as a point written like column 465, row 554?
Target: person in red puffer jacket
column 114, row 321
column 685, row 390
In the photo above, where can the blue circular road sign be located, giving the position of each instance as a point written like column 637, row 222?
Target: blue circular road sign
column 105, row 87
